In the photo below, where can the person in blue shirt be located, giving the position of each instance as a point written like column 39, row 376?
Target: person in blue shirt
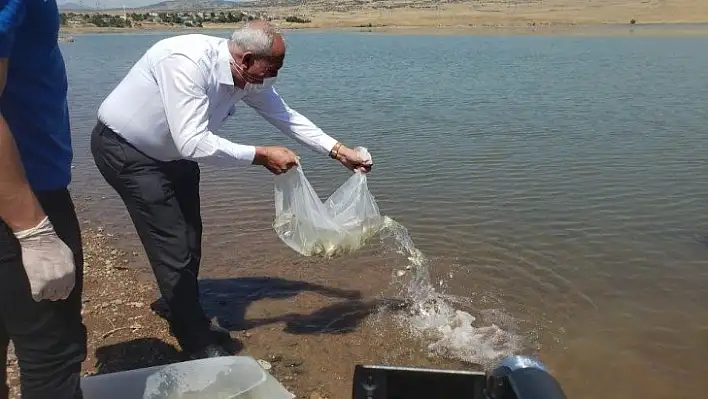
column 41, row 267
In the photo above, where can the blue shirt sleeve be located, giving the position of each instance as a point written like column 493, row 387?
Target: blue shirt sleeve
column 12, row 12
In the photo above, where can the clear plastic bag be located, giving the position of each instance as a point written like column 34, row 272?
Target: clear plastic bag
column 340, row 225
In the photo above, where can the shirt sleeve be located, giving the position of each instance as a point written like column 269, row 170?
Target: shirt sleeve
column 12, row 13
column 182, row 86
column 273, row 108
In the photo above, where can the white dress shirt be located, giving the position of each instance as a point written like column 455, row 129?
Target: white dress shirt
column 181, row 91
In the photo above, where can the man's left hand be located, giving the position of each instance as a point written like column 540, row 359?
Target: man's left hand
column 356, row 159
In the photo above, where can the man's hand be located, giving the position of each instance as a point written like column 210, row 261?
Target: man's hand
column 277, row 159
column 356, row 159
column 48, row 261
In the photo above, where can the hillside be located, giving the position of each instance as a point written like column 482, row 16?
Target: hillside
column 161, row 6
column 494, row 12
column 74, row 7
column 533, row 14
column 566, row 7
column 189, row 4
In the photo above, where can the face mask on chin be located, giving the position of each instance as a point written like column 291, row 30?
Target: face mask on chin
column 250, row 87
column 256, row 87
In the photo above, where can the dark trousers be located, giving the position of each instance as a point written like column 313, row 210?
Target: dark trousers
column 49, row 337
column 162, row 199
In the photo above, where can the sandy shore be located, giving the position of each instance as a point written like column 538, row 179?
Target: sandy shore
column 312, row 335
column 603, row 17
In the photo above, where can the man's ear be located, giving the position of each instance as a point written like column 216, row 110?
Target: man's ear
column 247, row 59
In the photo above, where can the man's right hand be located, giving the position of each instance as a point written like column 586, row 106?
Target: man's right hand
column 277, row 159
column 48, row 262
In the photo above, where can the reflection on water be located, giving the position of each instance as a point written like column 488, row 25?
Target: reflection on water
column 557, row 182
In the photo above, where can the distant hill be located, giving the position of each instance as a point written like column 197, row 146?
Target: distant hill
column 74, row 7
column 167, row 5
column 176, row 5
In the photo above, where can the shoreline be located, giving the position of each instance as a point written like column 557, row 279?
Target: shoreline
column 610, row 30
column 287, row 328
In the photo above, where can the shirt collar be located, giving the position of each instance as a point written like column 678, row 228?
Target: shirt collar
column 223, row 64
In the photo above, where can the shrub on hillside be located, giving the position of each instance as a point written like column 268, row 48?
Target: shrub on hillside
column 297, row 20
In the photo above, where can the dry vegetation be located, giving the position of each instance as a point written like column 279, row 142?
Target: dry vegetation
column 478, row 15
column 494, row 13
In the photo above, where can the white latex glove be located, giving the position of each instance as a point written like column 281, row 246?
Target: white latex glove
column 48, row 261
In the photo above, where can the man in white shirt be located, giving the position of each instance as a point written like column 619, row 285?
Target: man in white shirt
column 157, row 125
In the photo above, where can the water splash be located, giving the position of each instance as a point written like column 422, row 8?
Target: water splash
column 432, row 317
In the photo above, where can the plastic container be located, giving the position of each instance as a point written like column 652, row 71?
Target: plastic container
column 231, row 377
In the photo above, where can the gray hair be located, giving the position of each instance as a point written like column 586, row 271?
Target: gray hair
column 256, row 37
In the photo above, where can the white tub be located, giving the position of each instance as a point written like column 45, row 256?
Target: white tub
column 232, row 377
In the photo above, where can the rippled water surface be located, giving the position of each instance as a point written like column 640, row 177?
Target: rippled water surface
column 563, row 181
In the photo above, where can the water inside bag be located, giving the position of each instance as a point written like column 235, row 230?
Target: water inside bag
column 340, row 225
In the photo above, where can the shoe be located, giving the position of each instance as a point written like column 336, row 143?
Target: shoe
column 222, row 335
column 210, row 351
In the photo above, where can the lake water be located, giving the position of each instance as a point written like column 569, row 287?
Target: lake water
column 560, row 181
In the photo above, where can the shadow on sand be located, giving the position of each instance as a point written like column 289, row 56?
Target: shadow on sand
column 227, row 301
column 135, row 354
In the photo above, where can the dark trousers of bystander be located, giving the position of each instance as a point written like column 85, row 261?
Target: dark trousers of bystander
column 162, row 199
column 49, row 336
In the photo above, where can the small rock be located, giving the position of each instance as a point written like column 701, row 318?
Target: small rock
column 400, row 273
column 275, row 358
column 266, row 366
column 316, row 395
column 135, row 253
column 288, row 378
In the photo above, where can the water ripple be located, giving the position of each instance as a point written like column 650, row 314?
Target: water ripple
column 561, row 179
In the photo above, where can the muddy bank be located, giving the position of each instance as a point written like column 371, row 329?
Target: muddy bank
column 312, row 335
